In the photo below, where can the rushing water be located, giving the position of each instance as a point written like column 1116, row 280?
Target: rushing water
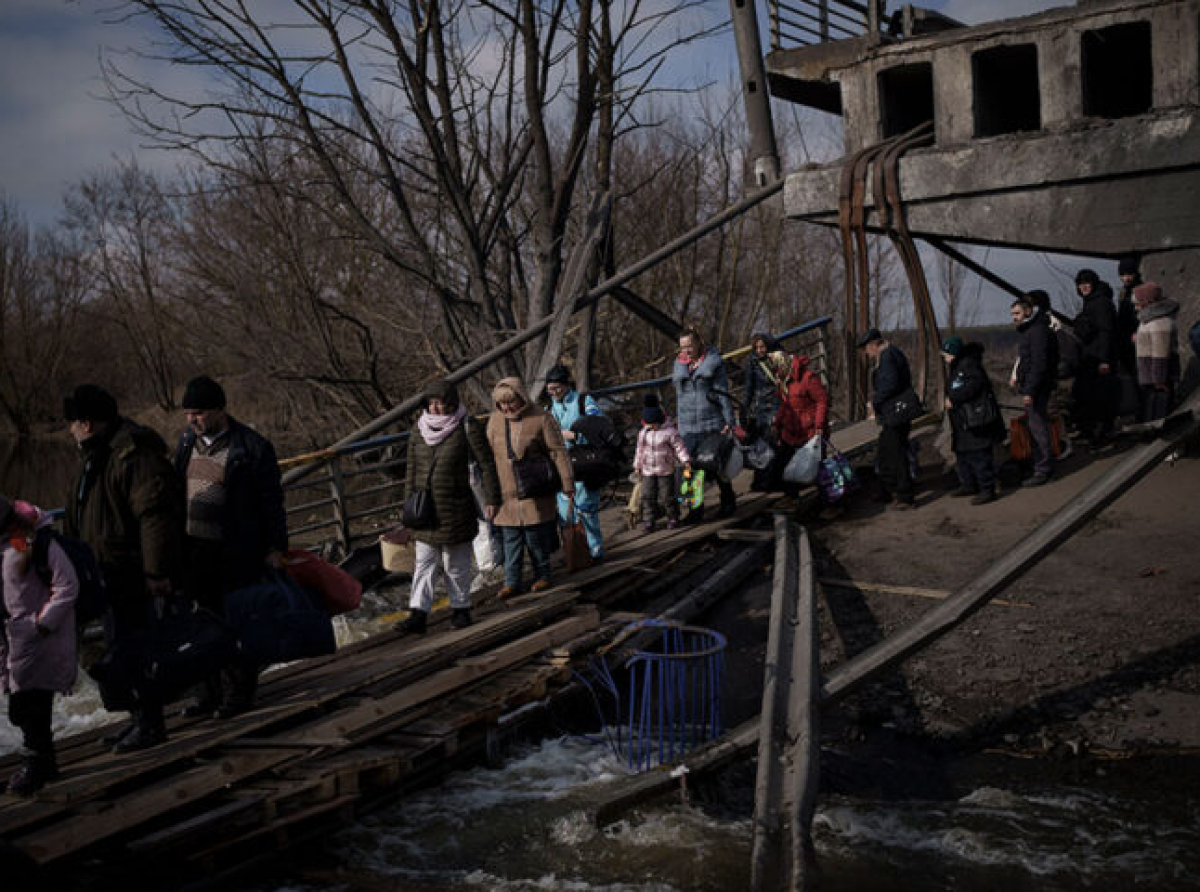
column 526, row 827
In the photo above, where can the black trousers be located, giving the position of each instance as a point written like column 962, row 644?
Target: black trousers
column 1156, row 403
column 30, row 711
column 893, row 462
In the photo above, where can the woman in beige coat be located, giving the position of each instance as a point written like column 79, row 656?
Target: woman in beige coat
column 517, row 430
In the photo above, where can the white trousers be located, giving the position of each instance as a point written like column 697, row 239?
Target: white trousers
column 455, row 561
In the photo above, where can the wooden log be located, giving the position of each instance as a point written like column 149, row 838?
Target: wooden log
column 935, row 594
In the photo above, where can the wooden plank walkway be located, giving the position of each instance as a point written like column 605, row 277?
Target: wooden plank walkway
column 337, row 734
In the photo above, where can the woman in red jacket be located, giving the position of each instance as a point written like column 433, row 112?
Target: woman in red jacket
column 802, row 415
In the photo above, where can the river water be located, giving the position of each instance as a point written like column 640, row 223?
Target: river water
column 1001, row 824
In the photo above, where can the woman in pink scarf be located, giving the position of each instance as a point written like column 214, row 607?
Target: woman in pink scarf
column 440, row 449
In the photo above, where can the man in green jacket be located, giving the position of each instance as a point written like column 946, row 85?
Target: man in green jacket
column 127, row 505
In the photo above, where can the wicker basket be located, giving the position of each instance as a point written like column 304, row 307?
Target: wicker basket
column 399, row 551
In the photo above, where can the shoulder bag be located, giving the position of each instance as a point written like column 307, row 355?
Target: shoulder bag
column 535, row 475
column 418, row 512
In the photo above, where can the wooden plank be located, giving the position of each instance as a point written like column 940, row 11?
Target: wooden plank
column 935, row 594
column 128, row 811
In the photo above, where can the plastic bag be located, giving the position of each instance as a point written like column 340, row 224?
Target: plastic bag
column 804, row 464
column 759, row 454
column 835, row 477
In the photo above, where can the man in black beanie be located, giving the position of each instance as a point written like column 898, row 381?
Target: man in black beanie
column 127, row 505
column 236, row 526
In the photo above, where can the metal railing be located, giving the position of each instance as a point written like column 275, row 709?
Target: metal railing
column 808, row 22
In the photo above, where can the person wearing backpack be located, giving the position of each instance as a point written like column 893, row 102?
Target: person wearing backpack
column 975, row 422
column 236, row 527
column 567, row 406
column 38, row 650
column 127, row 505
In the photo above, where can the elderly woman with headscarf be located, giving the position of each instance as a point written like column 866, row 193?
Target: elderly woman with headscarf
column 521, row 436
column 445, row 441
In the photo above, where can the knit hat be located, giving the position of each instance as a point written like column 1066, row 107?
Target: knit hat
column 1150, row 293
column 559, row 374
column 1087, row 275
column 90, row 402
column 6, row 513
column 1128, row 265
column 952, row 345
column 872, row 334
column 443, row 390
column 652, row 412
column 203, row 394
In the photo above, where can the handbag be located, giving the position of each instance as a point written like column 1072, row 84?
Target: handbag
column 576, row 553
column 418, row 511
column 802, row 467
column 535, row 475
column 1020, row 447
column 901, row 409
column 759, row 454
column 339, row 592
column 835, row 477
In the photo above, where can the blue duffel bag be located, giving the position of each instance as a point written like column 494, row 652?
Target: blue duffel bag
column 279, row 621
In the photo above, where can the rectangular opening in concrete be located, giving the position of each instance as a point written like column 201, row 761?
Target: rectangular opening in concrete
column 1007, row 99
column 905, row 97
column 1118, row 72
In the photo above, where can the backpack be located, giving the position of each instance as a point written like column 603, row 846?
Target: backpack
column 92, row 602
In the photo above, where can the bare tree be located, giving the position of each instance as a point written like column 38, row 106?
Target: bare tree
column 43, row 284
column 962, row 304
column 447, row 138
column 127, row 224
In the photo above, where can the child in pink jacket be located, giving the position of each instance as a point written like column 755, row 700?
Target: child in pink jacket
column 38, row 651
column 659, row 447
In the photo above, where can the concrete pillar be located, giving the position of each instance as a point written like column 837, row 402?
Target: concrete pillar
column 1175, row 49
column 953, row 95
column 1059, row 79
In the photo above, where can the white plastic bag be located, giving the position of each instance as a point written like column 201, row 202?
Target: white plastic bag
column 482, row 547
column 803, row 466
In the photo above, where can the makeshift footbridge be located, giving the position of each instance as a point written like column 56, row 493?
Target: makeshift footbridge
column 333, row 737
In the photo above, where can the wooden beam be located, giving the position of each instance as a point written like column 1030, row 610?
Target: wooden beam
column 935, row 594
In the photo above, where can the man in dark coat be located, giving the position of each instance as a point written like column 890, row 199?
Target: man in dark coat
column 1037, row 367
column 236, row 525
column 975, row 423
column 891, row 378
column 128, row 506
column 1127, row 317
column 1096, row 392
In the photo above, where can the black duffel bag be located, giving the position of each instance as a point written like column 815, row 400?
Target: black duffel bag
column 712, row 453
column 592, row 466
column 184, row 645
column 279, row 621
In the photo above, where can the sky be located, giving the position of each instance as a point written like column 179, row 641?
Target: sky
column 56, row 127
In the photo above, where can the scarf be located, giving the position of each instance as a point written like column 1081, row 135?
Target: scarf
column 436, row 428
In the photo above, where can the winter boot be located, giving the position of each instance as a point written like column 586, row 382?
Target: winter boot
column 148, row 730
column 36, row 770
column 414, row 623
column 460, row 617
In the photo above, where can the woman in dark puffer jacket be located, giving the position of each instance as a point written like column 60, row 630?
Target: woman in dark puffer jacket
column 444, row 440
